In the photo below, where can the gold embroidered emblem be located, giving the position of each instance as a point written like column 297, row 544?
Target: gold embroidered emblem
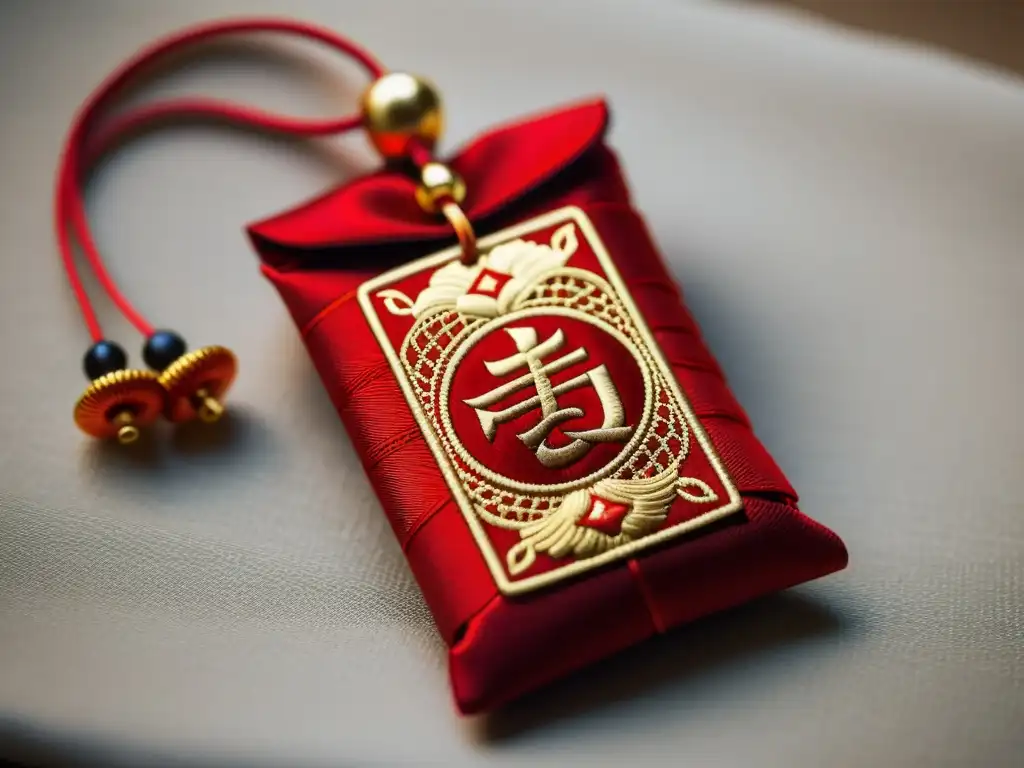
column 546, row 402
column 530, row 355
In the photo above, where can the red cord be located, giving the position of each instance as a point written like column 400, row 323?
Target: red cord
column 70, row 219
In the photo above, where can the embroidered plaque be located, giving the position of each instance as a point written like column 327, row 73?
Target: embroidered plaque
column 546, row 401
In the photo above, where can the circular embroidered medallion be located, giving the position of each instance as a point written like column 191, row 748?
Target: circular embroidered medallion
column 545, row 400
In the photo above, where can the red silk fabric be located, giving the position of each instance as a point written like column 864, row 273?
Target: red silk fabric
column 501, row 647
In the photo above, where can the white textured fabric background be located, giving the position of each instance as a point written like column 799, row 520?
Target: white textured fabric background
column 845, row 216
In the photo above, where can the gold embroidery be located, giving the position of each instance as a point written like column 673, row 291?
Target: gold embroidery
column 440, row 342
column 585, row 521
column 488, row 484
column 470, row 290
column 707, row 493
column 396, row 302
column 560, row 535
column 531, row 355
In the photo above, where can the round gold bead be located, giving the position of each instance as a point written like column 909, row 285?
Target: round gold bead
column 399, row 108
column 439, row 182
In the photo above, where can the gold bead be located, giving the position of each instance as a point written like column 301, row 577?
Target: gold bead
column 398, row 108
column 438, row 182
column 127, row 432
column 210, row 408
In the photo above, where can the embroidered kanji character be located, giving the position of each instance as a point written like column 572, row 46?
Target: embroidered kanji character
column 530, row 356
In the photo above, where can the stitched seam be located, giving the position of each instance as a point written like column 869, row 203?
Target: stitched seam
column 368, row 375
column 645, row 594
column 733, row 417
column 674, row 326
column 707, row 368
column 486, row 606
column 404, row 438
column 423, row 519
column 776, row 497
column 653, row 282
column 287, row 264
column 319, row 316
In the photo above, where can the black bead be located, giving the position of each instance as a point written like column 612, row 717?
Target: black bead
column 162, row 349
column 104, row 357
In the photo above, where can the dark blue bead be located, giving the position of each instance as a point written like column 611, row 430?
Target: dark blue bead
column 104, row 357
column 162, row 349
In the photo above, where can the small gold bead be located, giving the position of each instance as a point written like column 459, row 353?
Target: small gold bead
column 127, row 432
column 438, row 182
column 209, row 408
column 398, row 108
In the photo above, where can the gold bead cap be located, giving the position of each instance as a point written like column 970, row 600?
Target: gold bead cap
column 196, row 383
column 438, row 183
column 118, row 403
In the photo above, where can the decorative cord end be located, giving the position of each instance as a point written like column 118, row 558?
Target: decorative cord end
column 197, row 382
column 119, row 403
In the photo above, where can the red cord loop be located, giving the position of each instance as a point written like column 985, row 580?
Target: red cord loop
column 69, row 215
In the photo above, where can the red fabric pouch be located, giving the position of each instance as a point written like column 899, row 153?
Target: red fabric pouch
column 567, row 470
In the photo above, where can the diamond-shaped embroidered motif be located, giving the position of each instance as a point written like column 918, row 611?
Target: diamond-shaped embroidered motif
column 604, row 515
column 489, row 283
